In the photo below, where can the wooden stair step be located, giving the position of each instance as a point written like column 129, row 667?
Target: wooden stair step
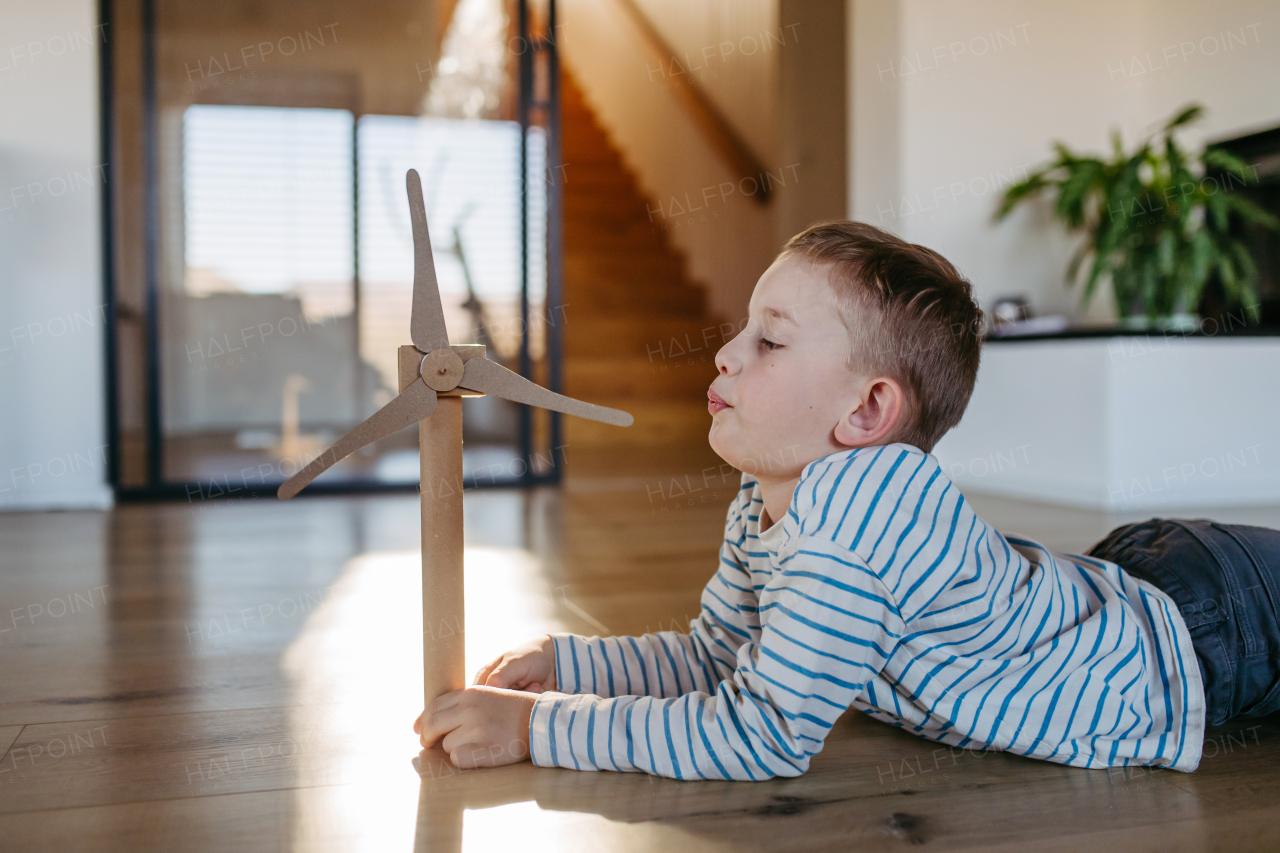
column 583, row 232
column 578, row 153
column 613, row 186
column 593, row 190
column 617, row 206
column 588, row 217
column 581, row 229
column 657, row 424
column 624, row 265
column 612, row 173
column 627, row 265
column 601, row 296
column 636, row 237
column 639, row 335
column 640, row 298
column 659, row 337
column 601, row 379
column 582, row 225
column 646, row 289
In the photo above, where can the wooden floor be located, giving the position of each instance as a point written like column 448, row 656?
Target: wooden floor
column 243, row 676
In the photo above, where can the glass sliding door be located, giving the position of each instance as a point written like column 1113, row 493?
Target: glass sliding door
column 260, row 364
column 261, row 250
column 471, row 184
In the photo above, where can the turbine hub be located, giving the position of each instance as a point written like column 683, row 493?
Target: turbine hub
column 441, row 370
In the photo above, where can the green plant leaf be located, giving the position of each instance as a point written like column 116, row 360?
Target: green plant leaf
column 1097, row 270
column 1073, row 193
column 1202, row 251
column 1117, row 144
column 1078, row 257
column 1227, row 272
column 1019, row 191
column 1189, row 113
column 1247, row 275
column 1217, row 208
column 1165, row 251
column 1252, row 213
column 1226, row 161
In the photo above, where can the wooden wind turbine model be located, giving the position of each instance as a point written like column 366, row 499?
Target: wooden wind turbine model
column 434, row 377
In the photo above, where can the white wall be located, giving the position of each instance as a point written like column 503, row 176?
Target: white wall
column 730, row 241
column 52, row 426
column 953, row 98
column 738, row 74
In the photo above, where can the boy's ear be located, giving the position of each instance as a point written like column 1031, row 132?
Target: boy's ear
column 874, row 416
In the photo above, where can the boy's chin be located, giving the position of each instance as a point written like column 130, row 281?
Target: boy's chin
column 715, row 438
column 725, row 448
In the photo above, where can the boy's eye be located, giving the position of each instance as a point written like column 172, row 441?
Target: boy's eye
column 768, row 344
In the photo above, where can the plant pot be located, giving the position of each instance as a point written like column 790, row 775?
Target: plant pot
column 1181, row 322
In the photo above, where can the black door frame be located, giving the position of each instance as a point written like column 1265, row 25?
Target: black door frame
column 531, row 45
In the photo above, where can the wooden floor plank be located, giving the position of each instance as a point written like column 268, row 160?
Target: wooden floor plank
column 184, row 710
column 8, row 734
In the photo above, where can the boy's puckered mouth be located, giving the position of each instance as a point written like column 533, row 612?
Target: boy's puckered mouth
column 716, row 403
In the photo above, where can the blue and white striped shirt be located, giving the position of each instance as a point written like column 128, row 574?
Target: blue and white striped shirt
column 883, row 591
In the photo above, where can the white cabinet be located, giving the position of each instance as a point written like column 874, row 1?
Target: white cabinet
column 1123, row 423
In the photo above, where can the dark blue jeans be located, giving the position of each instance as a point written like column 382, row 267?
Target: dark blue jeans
column 1225, row 579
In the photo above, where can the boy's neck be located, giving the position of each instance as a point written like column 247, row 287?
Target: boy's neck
column 777, row 494
column 776, row 497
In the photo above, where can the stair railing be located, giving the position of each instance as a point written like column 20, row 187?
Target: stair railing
column 722, row 136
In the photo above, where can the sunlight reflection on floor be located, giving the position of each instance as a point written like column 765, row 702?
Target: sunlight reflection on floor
column 355, row 671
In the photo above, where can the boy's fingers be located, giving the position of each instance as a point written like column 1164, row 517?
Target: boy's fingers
column 440, row 723
column 459, row 742
column 430, row 736
column 483, row 672
column 492, row 672
column 417, row 724
column 443, row 702
column 509, row 675
column 468, row 755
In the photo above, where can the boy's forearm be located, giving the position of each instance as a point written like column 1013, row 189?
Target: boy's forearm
column 662, row 665
column 693, row 736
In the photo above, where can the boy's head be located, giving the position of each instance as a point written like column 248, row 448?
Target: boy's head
column 855, row 338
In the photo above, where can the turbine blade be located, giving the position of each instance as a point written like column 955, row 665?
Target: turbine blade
column 481, row 374
column 426, row 322
column 414, row 403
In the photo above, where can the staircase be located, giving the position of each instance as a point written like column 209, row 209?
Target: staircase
column 637, row 333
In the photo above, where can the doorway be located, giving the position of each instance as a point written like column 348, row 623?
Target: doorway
column 261, row 284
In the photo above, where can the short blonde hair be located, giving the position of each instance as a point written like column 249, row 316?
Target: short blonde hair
column 911, row 316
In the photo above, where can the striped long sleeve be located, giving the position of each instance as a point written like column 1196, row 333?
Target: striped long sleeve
column 881, row 590
column 669, row 663
column 728, row 700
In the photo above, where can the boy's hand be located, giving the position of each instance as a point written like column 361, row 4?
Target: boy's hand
column 531, row 667
column 481, row 726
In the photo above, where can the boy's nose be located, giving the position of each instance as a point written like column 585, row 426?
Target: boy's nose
column 724, row 360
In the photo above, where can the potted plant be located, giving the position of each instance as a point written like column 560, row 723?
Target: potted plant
column 1157, row 224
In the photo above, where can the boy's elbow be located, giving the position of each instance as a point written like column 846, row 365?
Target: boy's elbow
column 793, row 768
column 784, row 771
column 777, row 769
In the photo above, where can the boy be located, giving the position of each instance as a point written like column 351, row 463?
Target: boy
column 859, row 576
